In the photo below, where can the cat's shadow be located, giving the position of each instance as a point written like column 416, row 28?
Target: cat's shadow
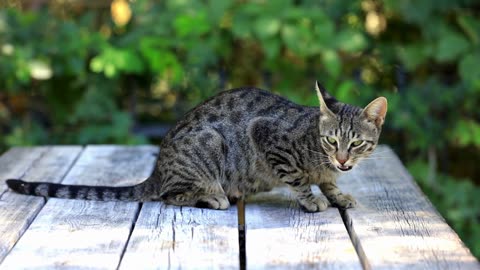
column 280, row 197
column 278, row 209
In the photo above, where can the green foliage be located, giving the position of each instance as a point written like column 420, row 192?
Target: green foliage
column 45, row 65
column 114, row 61
column 69, row 78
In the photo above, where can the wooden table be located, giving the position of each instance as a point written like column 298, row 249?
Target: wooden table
column 394, row 226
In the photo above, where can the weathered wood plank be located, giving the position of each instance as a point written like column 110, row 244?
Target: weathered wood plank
column 86, row 234
column 395, row 226
column 170, row 237
column 16, row 161
column 113, row 165
column 74, row 234
column 282, row 236
column 39, row 164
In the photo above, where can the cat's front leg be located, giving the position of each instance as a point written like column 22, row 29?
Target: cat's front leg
column 336, row 197
column 307, row 200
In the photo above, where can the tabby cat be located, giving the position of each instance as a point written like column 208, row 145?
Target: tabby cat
column 245, row 141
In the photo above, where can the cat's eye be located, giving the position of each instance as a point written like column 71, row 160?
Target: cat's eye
column 357, row 143
column 331, row 140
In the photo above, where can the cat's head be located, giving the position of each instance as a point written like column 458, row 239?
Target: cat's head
column 349, row 133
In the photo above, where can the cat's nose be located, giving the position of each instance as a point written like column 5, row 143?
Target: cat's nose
column 342, row 160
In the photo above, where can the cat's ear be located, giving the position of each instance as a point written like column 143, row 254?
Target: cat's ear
column 322, row 96
column 376, row 110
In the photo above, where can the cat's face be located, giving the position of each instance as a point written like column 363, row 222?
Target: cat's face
column 351, row 133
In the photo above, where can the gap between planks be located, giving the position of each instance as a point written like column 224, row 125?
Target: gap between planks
column 347, row 221
column 132, row 228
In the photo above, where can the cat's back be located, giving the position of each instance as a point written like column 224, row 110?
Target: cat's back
column 248, row 101
column 231, row 111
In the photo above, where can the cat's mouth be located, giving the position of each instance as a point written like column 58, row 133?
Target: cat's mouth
column 344, row 168
column 341, row 167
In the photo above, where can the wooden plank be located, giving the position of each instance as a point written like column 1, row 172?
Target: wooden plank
column 282, row 236
column 113, row 165
column 74, row 234
column 170, row 237
column 39, row 164
column 16, row 161
column 394, row 225
column 86, row 234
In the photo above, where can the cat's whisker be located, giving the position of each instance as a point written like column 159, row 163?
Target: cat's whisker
column 321, row 164
column 376, row 152
column 385, row 157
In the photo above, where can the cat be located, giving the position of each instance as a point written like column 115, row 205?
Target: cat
column 245, row 141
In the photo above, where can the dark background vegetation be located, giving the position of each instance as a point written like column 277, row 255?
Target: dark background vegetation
column 97, row 71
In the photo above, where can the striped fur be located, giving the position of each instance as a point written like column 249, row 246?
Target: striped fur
column 245, row 141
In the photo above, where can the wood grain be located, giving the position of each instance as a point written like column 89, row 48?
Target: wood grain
column 395, row 226
column 171, row 237
column 113, row 165
column 16, row 161
column 86, row 234
column 282, row 236
column 33, row 164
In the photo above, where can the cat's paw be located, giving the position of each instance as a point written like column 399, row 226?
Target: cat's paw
column 315, row 205
column 345, row 201
column 218, row 202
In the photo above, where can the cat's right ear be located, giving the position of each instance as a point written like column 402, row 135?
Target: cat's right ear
column 322, row 95
column 376, row 111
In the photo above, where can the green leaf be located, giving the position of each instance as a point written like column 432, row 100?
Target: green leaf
column 324, row 31
column 299, row 39
column 96, row 65
column 351, row 41
column 217, row 9
column 276, row 7
column 411, row 11
column 471, row 27
column 450, row 46
column 265, row 27
column 468, row 67
column 114, row 60
column 160, row 59
column 414, row 55
column 467, row 132
column 192, row 24
column 344, row 91
column 201, row 55
column 293, row 13
column 241, row 27
column 271, row 48
column 332, row 62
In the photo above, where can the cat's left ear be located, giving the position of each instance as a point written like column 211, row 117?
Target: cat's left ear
column 376, row 111
column 322, row 96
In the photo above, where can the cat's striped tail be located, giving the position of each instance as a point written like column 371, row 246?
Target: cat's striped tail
column 97, row 193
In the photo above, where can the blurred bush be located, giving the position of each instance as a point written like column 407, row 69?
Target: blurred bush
column 74, row 73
